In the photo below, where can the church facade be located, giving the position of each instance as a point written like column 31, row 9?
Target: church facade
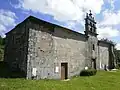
column 45, row 50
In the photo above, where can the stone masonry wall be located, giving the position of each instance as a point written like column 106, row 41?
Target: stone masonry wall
column 69, row 48
column 40, row 53
column 47, row 51
column 16, row 48
column 103, row 55
column 92, row 40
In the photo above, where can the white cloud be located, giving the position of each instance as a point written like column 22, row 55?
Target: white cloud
column 107, row 26
column 107, row 32
column 62, row 10
column 118, row 46
column 71, row 25
column 7, row 19
column 112, row 3
column 110, row 18
column 72, row 12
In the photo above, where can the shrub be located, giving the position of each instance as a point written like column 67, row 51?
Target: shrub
column 89, row 72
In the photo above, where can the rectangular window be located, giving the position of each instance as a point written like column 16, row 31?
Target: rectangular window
column 93, row 47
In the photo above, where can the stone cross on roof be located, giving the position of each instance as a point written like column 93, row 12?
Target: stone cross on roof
column 90, row 13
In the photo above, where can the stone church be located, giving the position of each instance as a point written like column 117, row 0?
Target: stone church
column 44, row 50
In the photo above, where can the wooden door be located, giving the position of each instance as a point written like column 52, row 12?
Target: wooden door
column 64, row 71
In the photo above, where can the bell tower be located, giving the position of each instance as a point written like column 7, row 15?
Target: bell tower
column 92, row 41
column 90, row 25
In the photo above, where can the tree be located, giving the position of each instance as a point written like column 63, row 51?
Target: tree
column 109, row 41
column 2, row 43
column 117, row 56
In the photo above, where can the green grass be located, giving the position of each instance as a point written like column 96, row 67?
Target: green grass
column 102, row 81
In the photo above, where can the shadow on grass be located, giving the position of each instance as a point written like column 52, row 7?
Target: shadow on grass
column 5, row 72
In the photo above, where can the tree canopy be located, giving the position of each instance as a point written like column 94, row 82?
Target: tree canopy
column 2, row 44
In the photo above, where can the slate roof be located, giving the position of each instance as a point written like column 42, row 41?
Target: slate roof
column 37, row 20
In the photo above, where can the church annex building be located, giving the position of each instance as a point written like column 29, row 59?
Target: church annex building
column 45, row 50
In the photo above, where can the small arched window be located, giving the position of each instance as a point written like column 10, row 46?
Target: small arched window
column 93, row 47
column 91, row 29
column 90, row 24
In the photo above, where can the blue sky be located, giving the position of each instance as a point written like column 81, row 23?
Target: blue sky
column 67, row 13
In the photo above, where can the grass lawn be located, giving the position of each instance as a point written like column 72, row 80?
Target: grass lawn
column 102, row 81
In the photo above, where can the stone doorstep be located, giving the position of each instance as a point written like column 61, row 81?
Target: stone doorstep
column 114, row 69
column 66, row 80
